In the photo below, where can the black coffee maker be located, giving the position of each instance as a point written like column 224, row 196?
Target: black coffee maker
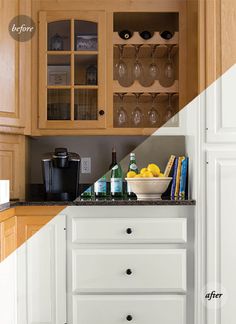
column 61, row 171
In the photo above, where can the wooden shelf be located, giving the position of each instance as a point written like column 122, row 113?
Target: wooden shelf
column 72, row 52
column 145, row 51
column 137, row 87
column 136, row 39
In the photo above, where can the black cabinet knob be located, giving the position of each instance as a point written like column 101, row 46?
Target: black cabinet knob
column 128, row 272
column 129, row 318
column 129, row 230
column 101, row 112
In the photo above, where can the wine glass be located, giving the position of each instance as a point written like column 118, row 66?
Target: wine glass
column 137, row 69
column 170, row 114
column 121, row 66
column 153, row 69
column 169, row 67
column 153, row 115
column 137, row 114
column 122, row 117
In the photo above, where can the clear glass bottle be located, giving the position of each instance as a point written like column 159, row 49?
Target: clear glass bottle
column 100, row 187
column 132, row 167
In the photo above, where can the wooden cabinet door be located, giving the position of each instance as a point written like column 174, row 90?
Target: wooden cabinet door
column 29, row 225
column 8, row 237
column 12, row 163
column 15, row 69
column 72, row 70
column 42, row 275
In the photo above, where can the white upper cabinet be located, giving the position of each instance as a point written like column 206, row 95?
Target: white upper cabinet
column 220, row 109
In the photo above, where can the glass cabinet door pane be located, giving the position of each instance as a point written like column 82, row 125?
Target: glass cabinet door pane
column 86, row 35
column 58, row 104
column 86, row 70
column 59, row 70
column 59, row 36
column 86, row 104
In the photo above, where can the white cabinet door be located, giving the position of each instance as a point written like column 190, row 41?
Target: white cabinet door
column 141, row 309
column 220, row 109
column 128, row 270
column 42, row 276
column 221, row 237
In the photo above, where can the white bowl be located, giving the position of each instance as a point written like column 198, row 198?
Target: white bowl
column 149, row 188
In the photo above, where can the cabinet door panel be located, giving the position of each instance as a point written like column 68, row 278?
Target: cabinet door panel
column 115, row 309
column 43, row 267
column 136, row 270
column 8, row 237
column 27, row 226
column 220, row 109
column 221, row 239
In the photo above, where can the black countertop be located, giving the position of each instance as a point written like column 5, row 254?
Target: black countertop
column 103, row 202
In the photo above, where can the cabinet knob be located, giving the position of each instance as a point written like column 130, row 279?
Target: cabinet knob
column 101, row 112
column 129, row 318
column 128, row 272
column 129, row 230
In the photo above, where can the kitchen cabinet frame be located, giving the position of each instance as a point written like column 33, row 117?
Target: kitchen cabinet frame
column 42, row 127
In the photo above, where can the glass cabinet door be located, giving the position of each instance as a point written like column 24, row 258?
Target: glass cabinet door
column 71, row 70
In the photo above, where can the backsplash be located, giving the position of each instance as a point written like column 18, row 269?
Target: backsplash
column 98, row 148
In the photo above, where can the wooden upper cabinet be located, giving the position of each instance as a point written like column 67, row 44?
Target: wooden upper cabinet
column 72, row 70
column 15, row 70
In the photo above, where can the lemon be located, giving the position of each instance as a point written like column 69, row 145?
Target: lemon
column 143, row 170
column 147, row 174
column 138, row 175
column 161, row 175
column 131, row 174
column 154, row 169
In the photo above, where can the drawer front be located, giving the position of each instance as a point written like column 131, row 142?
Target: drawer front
column 125, row 309
column 129, row 270
column 129, row 230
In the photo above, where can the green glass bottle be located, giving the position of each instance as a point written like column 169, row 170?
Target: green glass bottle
column 116, row 181
column 88, row 193
column 100, row 187
column 132, row 167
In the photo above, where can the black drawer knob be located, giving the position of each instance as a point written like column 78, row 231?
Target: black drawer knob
column 101, row 112
column 128, row 272
column 129, row 230
column 129, row 318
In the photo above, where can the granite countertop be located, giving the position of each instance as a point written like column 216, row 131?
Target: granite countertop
column 102, row 202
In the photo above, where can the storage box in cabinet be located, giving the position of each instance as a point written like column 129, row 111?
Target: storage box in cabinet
column 128, row 270
column 122, row 309
column 129, row 230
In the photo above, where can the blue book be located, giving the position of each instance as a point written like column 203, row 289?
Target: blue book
column 172, row 192
column 183, row 178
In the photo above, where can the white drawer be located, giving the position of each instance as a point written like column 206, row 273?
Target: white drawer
column 129, row 270
column 129, row 230
column 129, row 309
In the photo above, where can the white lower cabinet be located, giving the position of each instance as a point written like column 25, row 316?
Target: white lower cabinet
column 141, row 309
column 41, row 267
column 129, row 264
column 221, row 238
